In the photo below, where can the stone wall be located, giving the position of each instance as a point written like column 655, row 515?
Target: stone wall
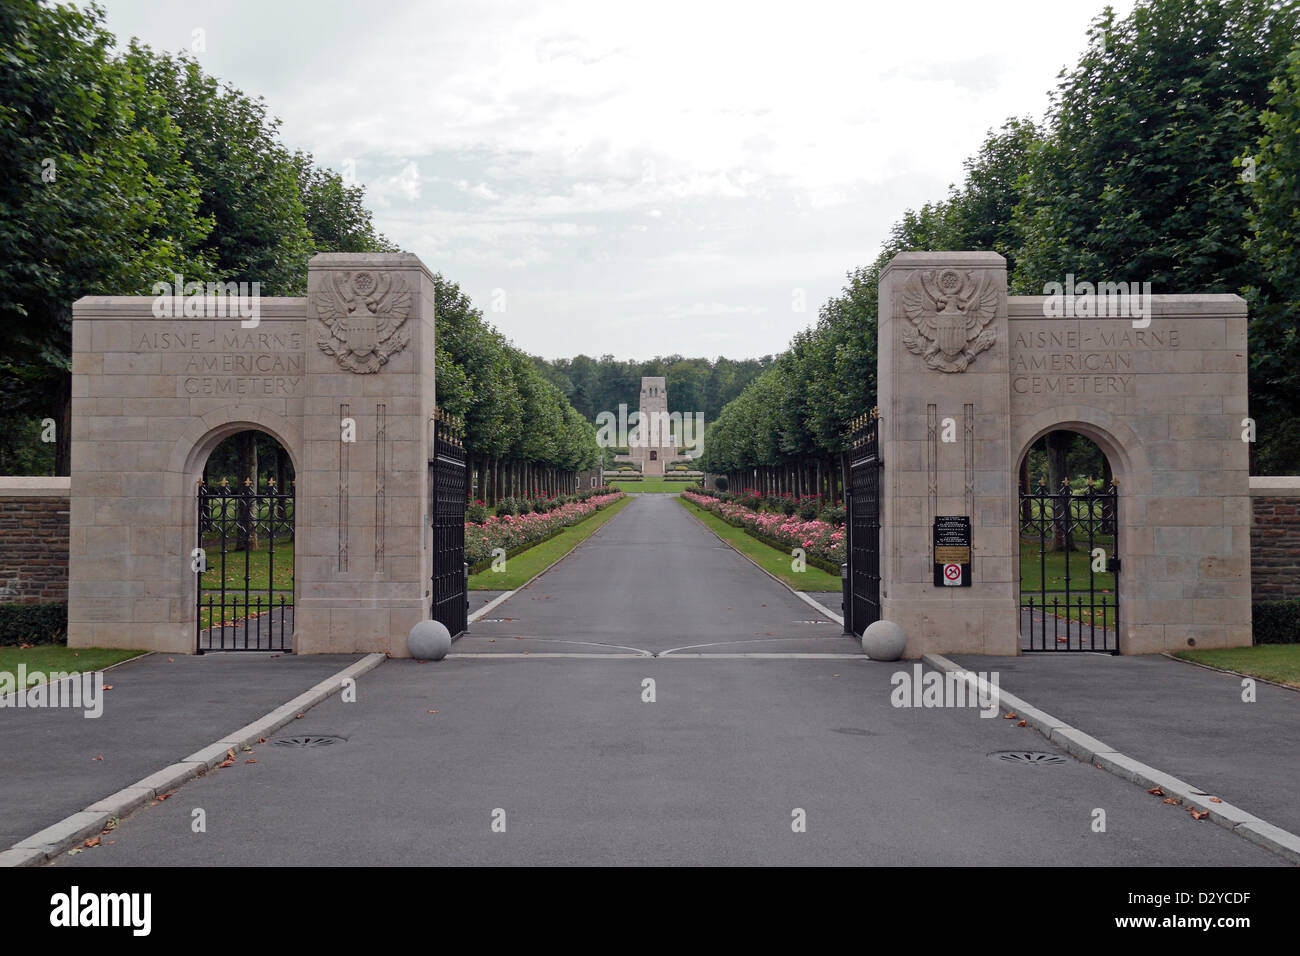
column 33, row 540
column 1163, row 398
column 1275, row 539
column 347, row 391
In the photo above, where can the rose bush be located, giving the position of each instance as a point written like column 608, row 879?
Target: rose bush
column 510, row 531
column 819, row 538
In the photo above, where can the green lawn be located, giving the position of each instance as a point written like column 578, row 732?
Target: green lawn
column 651, row 485
column 56, row 657
column 526, row 564
column 766, row 557
column 1275, row 662
column 258, row 561
column 1032, row 566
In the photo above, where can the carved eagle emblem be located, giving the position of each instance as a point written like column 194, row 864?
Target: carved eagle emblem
column 948, row 317
column 364, row 314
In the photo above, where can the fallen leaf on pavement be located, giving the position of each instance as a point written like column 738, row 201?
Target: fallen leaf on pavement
column 1215, row 800
column 433, row 711
column 1156, row 792
column 1010, row 715
column 93, row 841
column 100, row 757
column 1170, row 800
column 299, row 716
column 108, row 687
column 1198, row 814
column 226, row 763
column 1023, row 723
column 250, row 760
column 261, row 740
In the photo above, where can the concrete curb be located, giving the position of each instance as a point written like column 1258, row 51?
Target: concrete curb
column 505, row 596
column 67, row 833
column 1246, row 825
column 491, row 605
column 838, row 619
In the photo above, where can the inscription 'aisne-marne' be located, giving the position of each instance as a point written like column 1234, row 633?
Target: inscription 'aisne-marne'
column 1082, row 361
column 233, row 362
column 235, row 340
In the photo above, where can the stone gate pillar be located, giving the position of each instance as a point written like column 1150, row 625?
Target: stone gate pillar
column 945, row 408
column 364, row 565
column 158, row 383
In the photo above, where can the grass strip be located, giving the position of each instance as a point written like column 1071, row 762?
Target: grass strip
column 652, row 485
column 536, row 559
column 770, row 559
column 56, row 657
column 1275, row 662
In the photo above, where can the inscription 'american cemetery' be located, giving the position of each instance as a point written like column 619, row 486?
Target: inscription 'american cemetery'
column 1082, row 361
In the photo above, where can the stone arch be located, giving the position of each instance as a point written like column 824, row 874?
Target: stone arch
column 192, row 448
column 191, row 451
column 1129, row 466
column 1113, row 436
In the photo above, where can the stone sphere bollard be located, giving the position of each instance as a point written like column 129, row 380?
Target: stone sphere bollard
column 429, row 641
column 883, row 641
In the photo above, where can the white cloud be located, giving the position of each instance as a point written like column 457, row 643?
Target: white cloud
column 383, row 190
column 618, row 168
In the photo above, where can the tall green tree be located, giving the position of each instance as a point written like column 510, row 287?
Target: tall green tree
column 249, row 181
column 1271, row 175
column 1135, row 179
column 97, row 198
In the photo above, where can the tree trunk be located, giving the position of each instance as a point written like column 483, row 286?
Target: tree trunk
column 1058, row 445
column 63, row 431
column 1026, row 506
column 246, row 456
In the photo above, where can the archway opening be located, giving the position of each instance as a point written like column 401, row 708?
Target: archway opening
column 1068, row 541
column 244, row 558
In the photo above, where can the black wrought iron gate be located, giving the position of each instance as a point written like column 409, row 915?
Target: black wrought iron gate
column 863, row 502
column 448, row 496
column 244, row 568
column 1069, row 569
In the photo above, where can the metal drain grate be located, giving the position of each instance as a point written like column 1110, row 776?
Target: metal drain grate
column 308, row 740
column 1027, row 756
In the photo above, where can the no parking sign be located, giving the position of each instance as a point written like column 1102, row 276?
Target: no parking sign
column 952, row 551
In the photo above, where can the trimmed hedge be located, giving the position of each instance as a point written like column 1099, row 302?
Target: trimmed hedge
column 527, row 545
column 1276, row 622
column 33, row 624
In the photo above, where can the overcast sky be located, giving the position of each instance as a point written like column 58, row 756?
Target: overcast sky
column 636, row 179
